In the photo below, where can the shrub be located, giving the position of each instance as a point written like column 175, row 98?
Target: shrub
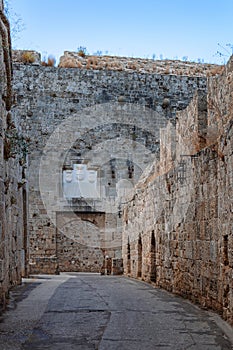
column 50, row 62
column 216, row 71
column 28, row 57
column 70, row 63
column 82, row 51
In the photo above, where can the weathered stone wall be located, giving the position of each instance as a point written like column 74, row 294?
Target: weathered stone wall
column 109, row 120
column 178, row 223
column 127, row 64
column 220, row 102
column 72, row 252
column 13, row 242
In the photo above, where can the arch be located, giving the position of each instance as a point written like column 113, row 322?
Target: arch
column 153, row 257
column 139, row 272
column 128, row 258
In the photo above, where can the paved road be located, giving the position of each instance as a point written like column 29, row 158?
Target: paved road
column 83, row 311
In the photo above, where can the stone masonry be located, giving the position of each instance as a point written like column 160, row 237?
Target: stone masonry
column 13, row 235
column 178, row 221
column 107, row 120
column 112, row 163
column 127, row 64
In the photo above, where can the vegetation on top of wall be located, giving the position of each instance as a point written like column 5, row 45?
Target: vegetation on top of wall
column 70, row 62
column 82, row 51
column 28, row 57
column 49, row 62
column 74, row 60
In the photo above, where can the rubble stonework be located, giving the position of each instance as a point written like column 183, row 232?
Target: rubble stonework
column 13, row 241
column 178, row 222
column 140, row 65
column 159, row 137
column 122, row 64
column 114, row 114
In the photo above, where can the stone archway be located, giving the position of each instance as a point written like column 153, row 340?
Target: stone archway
column 139, row 272
column 153, row 258
column 128, row 258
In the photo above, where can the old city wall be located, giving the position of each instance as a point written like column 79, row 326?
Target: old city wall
column 13, row 243
column 178, row 222
column 105, row 110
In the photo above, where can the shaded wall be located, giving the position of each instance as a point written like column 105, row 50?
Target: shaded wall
column 13, row 207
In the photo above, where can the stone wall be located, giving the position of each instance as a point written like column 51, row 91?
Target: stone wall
column 178, row 223
column 72, row 252
column 13, row 241
column 115, row 63
column 107, row 120
column 140, row 65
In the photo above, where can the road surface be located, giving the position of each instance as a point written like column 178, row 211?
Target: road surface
column 89, row 311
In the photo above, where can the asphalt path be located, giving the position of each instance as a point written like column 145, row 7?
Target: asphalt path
column 89, row 311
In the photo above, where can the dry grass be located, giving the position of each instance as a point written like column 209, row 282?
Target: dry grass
column 132, row 66
column 28, row 57
column 70, row 63
column 81, row 53
column 216, row 71
column 50, row 62
column 166, row 71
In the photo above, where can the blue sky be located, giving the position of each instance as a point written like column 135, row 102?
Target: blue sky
column 171, row 28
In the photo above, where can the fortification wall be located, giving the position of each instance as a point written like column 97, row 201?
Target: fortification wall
column 140, row 65
column 178, row 223
column 12, row 234
column 122, row 64
column 108, row 119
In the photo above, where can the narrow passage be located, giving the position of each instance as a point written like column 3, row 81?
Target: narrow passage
column 89, row 311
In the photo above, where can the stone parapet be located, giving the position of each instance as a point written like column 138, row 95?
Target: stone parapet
column 26, row 57
column 121, row 64
column 140, row 65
